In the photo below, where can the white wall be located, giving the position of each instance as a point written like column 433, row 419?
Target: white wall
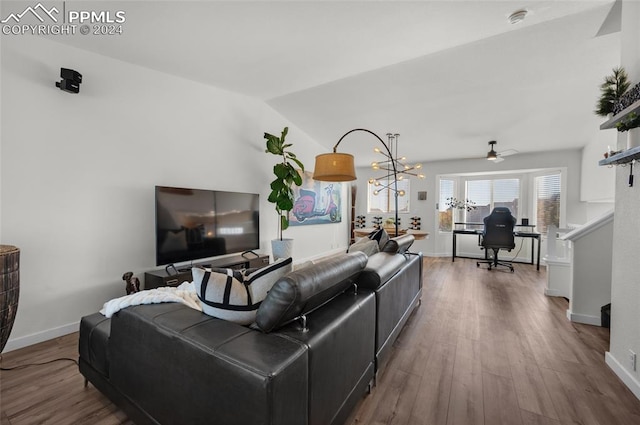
column 441, row 245
column 597, row 184
column 625, row 290
column 591, row 280
column 78, row 173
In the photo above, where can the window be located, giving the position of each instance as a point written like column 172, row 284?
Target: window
column 547, row 196
column 384, row 200
column 445, row 212
column 488, row 194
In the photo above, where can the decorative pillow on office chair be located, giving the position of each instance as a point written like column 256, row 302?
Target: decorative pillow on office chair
column 234, row 295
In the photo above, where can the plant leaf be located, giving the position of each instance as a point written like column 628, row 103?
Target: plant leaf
column 298, row 163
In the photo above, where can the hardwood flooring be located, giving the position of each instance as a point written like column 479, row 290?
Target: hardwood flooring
column 484, row 348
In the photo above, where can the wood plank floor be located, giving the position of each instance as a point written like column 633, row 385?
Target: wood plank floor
column 485, row 347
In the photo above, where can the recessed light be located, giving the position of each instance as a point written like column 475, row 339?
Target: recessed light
column 517, row 16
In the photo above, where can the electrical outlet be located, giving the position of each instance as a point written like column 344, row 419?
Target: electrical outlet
column 632, row 360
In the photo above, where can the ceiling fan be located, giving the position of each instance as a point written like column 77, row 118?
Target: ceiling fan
column 496, row 157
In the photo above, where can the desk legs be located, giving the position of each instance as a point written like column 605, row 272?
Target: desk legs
column 453, row 254
column 532, row 247
column 533, row 240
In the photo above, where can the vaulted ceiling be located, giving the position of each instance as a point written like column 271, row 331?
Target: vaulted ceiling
column 447, row 75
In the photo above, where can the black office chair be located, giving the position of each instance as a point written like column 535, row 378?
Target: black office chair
column 497, row 235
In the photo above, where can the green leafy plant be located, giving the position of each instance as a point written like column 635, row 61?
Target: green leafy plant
column 630, row 121
column 611, row 90
column 286, row 176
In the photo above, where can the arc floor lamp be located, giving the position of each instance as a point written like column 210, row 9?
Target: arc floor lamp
column 339, row 167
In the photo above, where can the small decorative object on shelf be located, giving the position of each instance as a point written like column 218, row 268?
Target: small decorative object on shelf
column 360, row 222
column 389, row 223
column 627, row 99
column 415, row 223
column 628, row 122
column 133, row 283
column 621, row 106
column 377, row 222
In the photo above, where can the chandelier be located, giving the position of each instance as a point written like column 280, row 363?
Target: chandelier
column 396, row 167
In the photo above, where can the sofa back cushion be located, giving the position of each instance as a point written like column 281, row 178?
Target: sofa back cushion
column 235, row 295
column 302, row 291
column 380, row 268
column 399, row 244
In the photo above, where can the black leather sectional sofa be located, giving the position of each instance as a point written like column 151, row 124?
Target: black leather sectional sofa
column 320, row 337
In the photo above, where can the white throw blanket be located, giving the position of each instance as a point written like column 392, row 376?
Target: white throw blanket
column 185, row 294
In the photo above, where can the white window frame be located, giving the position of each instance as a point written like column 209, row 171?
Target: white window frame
column 391, row 207
column 563, row 196
column 454, row 217
column 493, row 177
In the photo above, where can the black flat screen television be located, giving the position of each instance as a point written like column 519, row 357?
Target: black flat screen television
column 193, row 223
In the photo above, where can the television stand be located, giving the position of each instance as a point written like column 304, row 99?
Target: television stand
column 157, row 278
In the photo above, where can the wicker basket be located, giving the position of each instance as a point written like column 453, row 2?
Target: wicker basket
column 9, row 290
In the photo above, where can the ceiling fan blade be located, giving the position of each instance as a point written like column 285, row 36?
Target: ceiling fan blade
column 507, row 152
column 498, row 159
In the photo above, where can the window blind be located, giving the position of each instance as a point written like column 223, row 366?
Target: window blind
column 548, row 189
column 488, row 194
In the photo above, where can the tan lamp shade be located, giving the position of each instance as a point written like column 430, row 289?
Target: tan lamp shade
column 334, row 167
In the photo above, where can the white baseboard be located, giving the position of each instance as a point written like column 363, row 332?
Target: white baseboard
column 584, row 318
column 25, row 341
column 629, row 380
column 553, row 293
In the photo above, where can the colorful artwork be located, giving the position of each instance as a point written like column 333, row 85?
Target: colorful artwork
column 316, row 202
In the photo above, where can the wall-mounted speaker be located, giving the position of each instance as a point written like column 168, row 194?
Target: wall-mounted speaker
column 422, row 196
column 70, row 80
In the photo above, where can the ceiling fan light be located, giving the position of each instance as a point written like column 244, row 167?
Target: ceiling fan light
column 492, row 155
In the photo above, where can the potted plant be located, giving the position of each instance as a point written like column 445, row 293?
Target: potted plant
column 611, row 91
column 281, row 188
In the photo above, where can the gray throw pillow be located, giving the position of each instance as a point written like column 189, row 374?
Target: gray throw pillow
column 381, row 236
column 366, row 245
